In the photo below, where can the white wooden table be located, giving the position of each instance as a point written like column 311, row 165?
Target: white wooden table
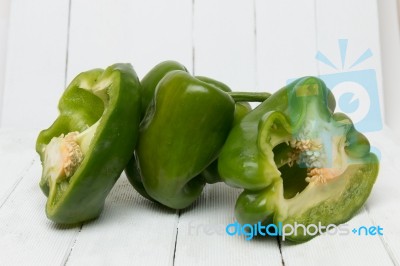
column 134, row 231
column 250, row 45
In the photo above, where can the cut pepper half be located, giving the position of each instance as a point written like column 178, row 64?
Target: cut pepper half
column 85, row 150
column 297, row 161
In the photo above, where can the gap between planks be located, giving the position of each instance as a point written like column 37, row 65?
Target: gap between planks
column 382, row 239
column 15, row 185
column 67, row 44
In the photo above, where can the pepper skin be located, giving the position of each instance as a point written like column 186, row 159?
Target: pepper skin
column 297, row 161
column 152, row 78
column 241, row 107
column 181, row 134
column 85, row 150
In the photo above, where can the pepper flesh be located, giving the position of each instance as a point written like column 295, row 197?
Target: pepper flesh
column 297, row 161
column 85, row 150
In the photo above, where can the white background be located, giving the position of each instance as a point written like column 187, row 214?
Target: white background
column 250, row 45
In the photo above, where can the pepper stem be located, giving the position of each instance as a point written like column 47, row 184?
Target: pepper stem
column 249, row 96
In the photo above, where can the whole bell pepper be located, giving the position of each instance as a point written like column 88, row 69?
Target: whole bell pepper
column 85, row 150
column 181, row 134
column 298, row 162
column 180, row 181
column 148, row 86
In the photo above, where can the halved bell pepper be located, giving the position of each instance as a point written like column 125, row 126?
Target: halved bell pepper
column 85, row 150
column 297, row 161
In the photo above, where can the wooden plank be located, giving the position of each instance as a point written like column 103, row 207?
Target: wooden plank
column 27, row 237
column 35, row 67
column 202, row 239
column 350, row 249
column 107, row 32
column 389, row 19
column 224, row 42
column 286, row 42
column 130, row 230
column 17, row 155
column 382, row 206
column 4, row 19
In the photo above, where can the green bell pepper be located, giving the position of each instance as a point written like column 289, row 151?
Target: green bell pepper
column 181, row 134
column 165, row 174
column 148, row 87
column 85, row 150
column 297, row 161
